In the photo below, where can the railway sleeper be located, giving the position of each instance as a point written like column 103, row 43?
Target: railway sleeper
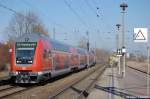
column 83, row 92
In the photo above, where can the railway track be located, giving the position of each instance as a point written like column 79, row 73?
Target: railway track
column 10, row 91
column 86, row 81
column 55, row 88
column 138, row 70
column 7, row 91
column 6, row 87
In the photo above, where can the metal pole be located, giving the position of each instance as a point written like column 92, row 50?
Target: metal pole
column 117, row 41
column 119, row 65
column 111, row 83
column 148, row 76
column 123, row 43
column 95, row 53
column 88, row 44
column 123, row 6
column 54, row 33
column 118, row 45
column 112, row 80
column 124, row 64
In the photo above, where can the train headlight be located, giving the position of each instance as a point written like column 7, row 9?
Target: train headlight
column 13, row 73
column 30, row 61
column 18, row 61
column 16, row 73
column 39, row 73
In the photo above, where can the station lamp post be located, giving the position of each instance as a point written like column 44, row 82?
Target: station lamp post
column 54, row 33
column 123, row 6
column 117, row 36
column 118, row 46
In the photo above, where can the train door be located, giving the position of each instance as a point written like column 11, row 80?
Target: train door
column 56, row 60
column 47, row 57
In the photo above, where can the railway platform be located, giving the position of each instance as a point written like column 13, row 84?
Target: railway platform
column 111, row 85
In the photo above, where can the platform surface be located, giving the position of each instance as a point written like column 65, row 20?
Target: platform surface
column 112, row 85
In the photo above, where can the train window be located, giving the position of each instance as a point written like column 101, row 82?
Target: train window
column 25, row 55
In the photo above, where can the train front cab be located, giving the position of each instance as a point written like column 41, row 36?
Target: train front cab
column 30, row 62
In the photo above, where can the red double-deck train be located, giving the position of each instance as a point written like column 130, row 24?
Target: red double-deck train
column 35, row 58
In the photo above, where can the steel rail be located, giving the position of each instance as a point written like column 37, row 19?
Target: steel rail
column 90, row 85
column 138, row 70
column 62, row 90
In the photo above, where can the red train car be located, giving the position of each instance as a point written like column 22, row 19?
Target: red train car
column 83, row 58
column 92, row 58
column 35, row 58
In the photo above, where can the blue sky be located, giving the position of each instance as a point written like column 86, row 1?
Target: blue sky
column 73, row 23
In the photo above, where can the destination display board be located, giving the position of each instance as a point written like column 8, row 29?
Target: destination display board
column 26, row 44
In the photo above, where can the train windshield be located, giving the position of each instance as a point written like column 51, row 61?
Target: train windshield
column 25, row 53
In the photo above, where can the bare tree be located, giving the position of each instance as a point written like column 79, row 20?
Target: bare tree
column 4, row 56
column 102, row 55
column 82, row 43
column 39, row 28
column 22, row 23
